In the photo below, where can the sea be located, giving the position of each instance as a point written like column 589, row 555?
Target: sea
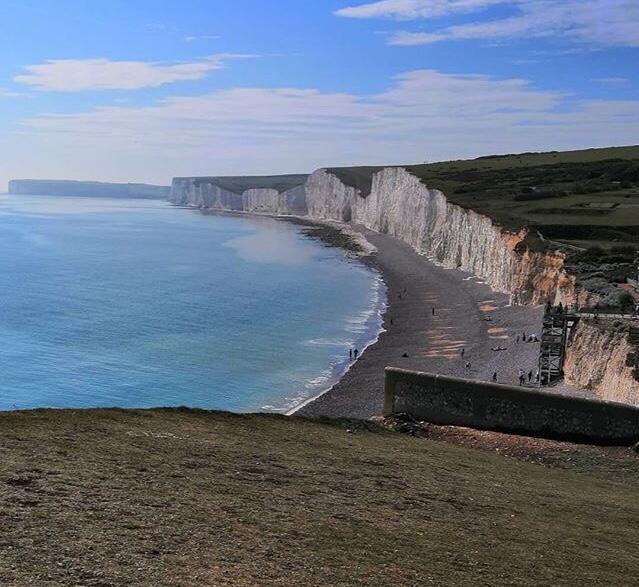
column 138, row 304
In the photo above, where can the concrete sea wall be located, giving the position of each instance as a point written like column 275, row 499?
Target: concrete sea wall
column 459, row 402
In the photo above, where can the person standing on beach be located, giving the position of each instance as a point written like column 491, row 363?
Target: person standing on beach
column 433, row 311
column 463, row 352
column 529, row 376
column 495, row 377
column 355, row 353
column 350, row 354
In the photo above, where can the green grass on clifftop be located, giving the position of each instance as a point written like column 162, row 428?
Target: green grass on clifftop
column 178, row 497
column 577, row 197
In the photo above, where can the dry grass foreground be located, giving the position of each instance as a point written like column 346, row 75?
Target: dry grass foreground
column 178, row 497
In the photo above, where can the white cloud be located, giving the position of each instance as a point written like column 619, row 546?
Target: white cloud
column 76, row 75
column 597, row 22
column 424, row 115
column 413, row 9
column 611, row 81
column 193, row 38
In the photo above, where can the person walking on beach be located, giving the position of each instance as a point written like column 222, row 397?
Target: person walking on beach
column 495, row 377
column 522, row 378
column 433, row 311
column 463, row 352
column 529, row 376
column 355, row 353
column 350, row 354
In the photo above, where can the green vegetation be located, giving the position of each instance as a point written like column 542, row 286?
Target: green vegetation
column 181, row 497
column 238, row 185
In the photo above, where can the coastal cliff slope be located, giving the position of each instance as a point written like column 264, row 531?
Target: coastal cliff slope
column 96, row 189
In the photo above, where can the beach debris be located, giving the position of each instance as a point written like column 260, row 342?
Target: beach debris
column 405, row 355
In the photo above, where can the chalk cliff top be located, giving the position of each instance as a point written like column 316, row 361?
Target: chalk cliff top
column 239, row 184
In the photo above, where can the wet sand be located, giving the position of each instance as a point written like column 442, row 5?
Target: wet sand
column 468, row 315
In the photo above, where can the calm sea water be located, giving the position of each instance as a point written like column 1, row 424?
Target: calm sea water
column 136, row 303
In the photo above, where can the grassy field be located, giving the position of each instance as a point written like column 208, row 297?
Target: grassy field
column 178, row 497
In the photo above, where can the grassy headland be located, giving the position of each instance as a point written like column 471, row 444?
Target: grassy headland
column 180, row 497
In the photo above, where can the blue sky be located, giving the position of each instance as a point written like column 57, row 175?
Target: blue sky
column 146, row 90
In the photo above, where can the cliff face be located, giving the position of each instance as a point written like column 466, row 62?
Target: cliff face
column 36, row 187
column 601, row 358
column 269, row 201
column 401, row 205
column 203, row 194
column 212, row 194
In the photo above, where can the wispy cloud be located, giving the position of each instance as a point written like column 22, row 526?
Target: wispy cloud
column 611, row 81
column 193, row 38
column 77, row 75
column 596, row 22
column 425, row 114
column 413, row 9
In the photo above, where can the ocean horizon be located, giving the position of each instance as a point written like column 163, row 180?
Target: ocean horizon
column 137, row 304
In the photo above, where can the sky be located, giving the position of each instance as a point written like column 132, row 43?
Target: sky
column 115, row 90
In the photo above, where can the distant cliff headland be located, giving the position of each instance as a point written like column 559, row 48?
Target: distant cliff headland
column 96, row 189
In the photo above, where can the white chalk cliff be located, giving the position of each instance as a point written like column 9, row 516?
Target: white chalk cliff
column 401, row 205
column 208, row 193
